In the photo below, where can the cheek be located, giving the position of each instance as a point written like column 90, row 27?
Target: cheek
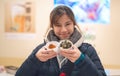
column 56, row 31
column 71, row 30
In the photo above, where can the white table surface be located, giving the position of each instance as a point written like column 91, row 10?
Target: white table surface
column 109, row 72
column 5, row 74
column 112, row 72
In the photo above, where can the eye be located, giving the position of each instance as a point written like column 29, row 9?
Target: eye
column 57, row 25
column 68, row 24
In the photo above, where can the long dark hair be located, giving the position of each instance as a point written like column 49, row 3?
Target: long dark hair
column 59, row 11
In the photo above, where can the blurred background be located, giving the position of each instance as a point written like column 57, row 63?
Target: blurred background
column 23, row 24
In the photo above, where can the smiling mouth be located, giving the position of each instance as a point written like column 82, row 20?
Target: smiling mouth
column 64, row 36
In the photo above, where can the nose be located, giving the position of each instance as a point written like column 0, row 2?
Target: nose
column 63, row 29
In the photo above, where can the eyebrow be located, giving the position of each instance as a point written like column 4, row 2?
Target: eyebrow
column 65, row 22
column 68, row 22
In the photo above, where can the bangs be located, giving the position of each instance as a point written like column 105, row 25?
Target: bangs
column 55, row 17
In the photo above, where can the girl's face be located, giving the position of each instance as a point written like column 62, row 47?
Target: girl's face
column 64, row 27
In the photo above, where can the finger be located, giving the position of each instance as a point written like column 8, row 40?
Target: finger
column 68, row 51
column 51, row 51
column 46, row 51
column 49, row 54
column 69, row 55
column 64, row 54
column 42, row 57
column 45, row 55
column 52, row 55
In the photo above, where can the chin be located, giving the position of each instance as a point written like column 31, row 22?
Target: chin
column 64, row 38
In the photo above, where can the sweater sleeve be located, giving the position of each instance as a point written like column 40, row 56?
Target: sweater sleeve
column 30, row 65
column 91, row 65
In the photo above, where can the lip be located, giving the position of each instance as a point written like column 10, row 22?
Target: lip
column 65, row 35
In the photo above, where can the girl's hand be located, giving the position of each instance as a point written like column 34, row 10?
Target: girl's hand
column 72, row 54
column 45, row 54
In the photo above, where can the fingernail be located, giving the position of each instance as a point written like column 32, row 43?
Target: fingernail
column 45, row 48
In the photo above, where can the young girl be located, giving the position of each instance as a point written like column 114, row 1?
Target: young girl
column 81, row 59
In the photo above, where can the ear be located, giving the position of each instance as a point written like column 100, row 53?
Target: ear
column 46, row 34
column 78, row 28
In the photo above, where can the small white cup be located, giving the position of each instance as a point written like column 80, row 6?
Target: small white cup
column 65, row 44
column 54, row 45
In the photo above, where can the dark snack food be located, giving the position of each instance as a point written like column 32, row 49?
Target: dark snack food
column 65, row 44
